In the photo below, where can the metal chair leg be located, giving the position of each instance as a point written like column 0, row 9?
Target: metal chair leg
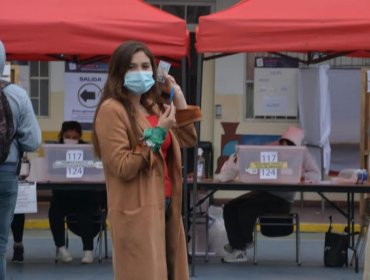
column 100, row 236
column 106, row 240
column 255, row 242
column 298, row 238
column 207, row 227
column 362, row 237
column 56, row 255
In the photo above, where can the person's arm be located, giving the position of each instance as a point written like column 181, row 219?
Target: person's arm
column 229, row 170
column 179, row 99
column 311, row 171
column 117, row 153
column 28, row 130
column 185, row 129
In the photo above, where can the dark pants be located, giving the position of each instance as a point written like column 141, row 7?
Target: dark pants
column 18, row 227
column 82, row 206
column 240, row 215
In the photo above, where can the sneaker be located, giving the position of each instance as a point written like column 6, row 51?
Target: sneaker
column 88, row 257
column 64, row 255
column 18, row 254
column 236, row 256
column 229, row 249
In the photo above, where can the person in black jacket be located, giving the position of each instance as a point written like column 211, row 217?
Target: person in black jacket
column 83, row 205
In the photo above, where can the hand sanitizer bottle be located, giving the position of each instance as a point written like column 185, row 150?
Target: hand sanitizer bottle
column 201, row 166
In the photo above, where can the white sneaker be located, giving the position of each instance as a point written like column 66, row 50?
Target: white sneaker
column 229, row 249
column 64, row 255
column 88, row 257
column 236, row 256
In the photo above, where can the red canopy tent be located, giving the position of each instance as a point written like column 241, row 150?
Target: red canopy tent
column 81, row 29
column 335, row 27
column 323, row 28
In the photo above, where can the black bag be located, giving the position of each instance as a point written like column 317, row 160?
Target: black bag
column 6, row 124
column 336, row 248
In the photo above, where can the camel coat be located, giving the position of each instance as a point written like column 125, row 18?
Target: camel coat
column 145, row 245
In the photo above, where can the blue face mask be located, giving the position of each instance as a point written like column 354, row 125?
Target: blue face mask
column 138, row 82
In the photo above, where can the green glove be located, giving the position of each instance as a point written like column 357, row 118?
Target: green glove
column 154, row 137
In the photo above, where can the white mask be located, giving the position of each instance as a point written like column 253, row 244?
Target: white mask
column 70, row 141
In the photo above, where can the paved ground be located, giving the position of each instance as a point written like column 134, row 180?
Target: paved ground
column 275, row 261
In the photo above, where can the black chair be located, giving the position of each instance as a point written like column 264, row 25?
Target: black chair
column 278, row 225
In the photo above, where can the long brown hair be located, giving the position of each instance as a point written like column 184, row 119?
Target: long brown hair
column 113, row 88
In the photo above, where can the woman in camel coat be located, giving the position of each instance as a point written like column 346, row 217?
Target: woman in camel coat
column 144, row 196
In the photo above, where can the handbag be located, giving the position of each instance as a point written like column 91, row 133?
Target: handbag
column 336, row 248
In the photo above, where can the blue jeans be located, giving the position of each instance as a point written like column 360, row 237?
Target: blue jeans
column 8, row 198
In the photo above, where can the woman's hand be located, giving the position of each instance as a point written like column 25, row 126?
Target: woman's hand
column 179, row 99
column 167, row 119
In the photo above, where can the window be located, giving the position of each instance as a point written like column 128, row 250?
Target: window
column 39, row 87
column 188, row 10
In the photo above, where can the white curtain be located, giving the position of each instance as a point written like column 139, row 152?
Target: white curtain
column 314, row 110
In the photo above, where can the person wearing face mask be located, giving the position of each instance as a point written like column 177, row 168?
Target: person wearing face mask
column 83, row 204
column 138, row 133
column 240, row 213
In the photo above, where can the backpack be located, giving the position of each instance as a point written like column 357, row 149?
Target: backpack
column 6, row 124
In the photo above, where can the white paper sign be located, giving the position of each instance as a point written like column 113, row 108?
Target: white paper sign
column 268, row 173
column 275, row 104
column 275, row 92
column 27, row 198
column 74, row 160
column 82, row 94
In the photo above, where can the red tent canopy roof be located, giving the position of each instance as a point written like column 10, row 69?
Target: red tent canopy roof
column 287, row 25
column 81, row 29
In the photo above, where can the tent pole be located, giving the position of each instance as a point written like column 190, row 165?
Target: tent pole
column 185, row 192
column 195, row 183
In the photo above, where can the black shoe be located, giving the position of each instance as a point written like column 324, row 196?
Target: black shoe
column 18, row 254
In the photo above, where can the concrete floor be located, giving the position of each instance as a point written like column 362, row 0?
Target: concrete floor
column 276, row 260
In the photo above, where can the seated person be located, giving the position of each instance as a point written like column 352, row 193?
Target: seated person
column 240, row 214
column 82, row 204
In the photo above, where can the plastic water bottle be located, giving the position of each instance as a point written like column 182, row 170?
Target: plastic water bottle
column 358, row 176
column 201, row 173
column 25, row 167
column 362, row 176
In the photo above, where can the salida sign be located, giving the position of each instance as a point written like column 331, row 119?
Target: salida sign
column 89, row 93
column 82, row 94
